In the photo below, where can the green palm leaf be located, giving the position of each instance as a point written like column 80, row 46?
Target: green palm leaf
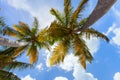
column 32, row 53
column 5, row 75
column 79, row 9
column 67, row 11
column 59, row 52
column 16, row 65
column 58, row 15
column 92, row 32
column 35, row 26
column 82, row 51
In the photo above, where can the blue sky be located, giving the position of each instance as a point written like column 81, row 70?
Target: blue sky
column 106, row 63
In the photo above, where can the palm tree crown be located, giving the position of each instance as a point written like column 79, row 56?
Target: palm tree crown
column 62, row 29
column 23, row 33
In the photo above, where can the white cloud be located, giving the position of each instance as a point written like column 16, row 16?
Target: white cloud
column 111, row 28
column 117, row 76
column 28, row 77
column 114, row 29
column 40, row 9
column 48, row 53
column 60, row 78
column 116, row 38
column 80, row 74
column 71, row 63
column 93, row 48
column 39, row 67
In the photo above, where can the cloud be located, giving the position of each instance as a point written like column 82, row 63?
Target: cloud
column 39, row 67
column 93, row 48
column 68, row 63
column 116, row 38
column 115, row 30
column 80, row 74
column 40, row 9
column 117, row 76
column 71, row 63
column 111, row 28
column 60, row 78
column 28, row 77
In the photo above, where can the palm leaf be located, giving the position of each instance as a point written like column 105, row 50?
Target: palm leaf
column 79, row 9
column 82, row 51
column 57, row 31
column 92, row 32
column 22, row 28
column 35, row 26
column 9, row 51
column 43, row 35
column 67, row 11
column 57, row 15
column 5, row 75
column 16, row 65
column 19, row 51
column 32, row 53
column 81, row 23
column 59, row 52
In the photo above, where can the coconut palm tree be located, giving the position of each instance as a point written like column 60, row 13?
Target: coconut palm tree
column 28, row 35
column 62, row 30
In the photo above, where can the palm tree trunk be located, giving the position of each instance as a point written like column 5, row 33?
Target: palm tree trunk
column 101, row 8
column 7, row 42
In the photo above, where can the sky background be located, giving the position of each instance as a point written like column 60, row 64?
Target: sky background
column 106, row 63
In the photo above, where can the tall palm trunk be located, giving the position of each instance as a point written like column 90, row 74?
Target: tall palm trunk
column 101, row 8
column 7, row 42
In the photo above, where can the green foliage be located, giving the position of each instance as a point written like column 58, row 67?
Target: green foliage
column 63, row 27
column 5, row 75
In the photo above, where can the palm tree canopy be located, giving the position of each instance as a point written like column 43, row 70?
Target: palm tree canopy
column 28, row 35
column 61, row 30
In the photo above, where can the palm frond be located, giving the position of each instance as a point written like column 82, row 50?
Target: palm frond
column 58, row 15
column 5, row 75
column 2, row 23
column 35, row 26
column 43, row 35
column 16, row 65
column 92, row 32
column 33, row 53
column 4, row 59
column 9, row 51
column 59, row 52
column 82, row 51
column 67, row 11
column 19, row 51
column 22, row 28
column 57, row 31
column 25, row 27
column 79, row 9
column 81, row 23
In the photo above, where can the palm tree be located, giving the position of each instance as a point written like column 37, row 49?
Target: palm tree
column 30, row 36
column 62, row 30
